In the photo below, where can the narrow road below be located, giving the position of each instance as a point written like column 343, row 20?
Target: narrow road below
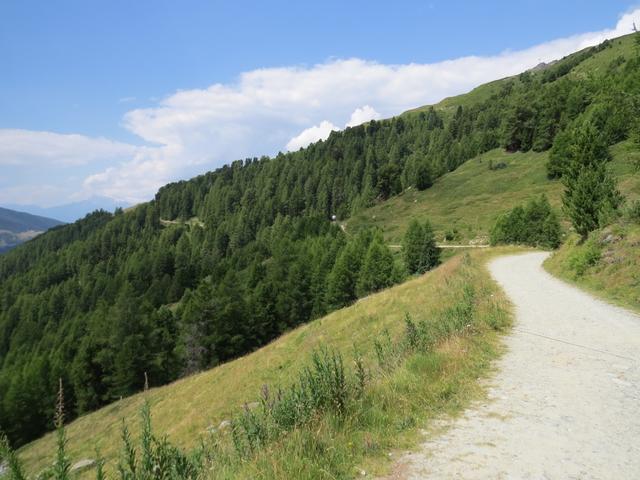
column 564, row 402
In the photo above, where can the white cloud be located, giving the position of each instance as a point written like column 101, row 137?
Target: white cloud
column 322, row 131
column 311, row 135
column 33, row 194
column 137, row 179
column 362, row 115
column 28, row 147
column 270, row 109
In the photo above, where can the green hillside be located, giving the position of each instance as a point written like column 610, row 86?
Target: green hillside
column 470, row 197
column 17, row 222
column 594, row 64
column 467, row 201
column 216, row 267
column 187, row 410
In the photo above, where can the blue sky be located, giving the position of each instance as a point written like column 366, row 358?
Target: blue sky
column 116, row 98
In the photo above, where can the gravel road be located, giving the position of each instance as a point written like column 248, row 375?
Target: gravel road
column 564, row 402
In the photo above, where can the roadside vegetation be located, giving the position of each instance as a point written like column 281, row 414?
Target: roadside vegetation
column 607, row 263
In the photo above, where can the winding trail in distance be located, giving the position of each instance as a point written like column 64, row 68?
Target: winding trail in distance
column 564, row 402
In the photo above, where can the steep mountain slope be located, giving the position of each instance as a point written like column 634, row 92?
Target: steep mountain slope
column 191, row 409
column 17, row 227
column 471, row 192
column 21, row 222
column 217, row 266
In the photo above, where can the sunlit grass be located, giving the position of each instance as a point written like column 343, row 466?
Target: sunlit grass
column 615, row 276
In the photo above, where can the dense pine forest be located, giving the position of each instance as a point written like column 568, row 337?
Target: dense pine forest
column 219, row 265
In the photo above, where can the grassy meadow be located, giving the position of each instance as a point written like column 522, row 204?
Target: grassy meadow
column 469, row 199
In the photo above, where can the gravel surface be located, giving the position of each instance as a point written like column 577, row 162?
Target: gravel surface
column 564, row 402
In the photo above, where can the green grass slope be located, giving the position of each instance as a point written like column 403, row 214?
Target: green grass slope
column 186, row 409
column 607, row 264
column 469, row 199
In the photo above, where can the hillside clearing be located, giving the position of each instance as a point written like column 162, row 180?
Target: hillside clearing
column 466, row 202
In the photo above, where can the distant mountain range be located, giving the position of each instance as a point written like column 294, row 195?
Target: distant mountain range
column 17, row 227
column 71, row 212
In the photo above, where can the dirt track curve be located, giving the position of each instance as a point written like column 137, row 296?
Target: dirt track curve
column 564, row 402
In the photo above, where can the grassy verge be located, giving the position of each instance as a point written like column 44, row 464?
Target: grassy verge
column 403, row 391
column 607, row 264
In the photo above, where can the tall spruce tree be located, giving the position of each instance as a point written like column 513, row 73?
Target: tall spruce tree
column 430, row 250
column 424, row 177
column 378, row 270
column 342, row 281
column 591, row 196
column 419, row 248
column 412, row 246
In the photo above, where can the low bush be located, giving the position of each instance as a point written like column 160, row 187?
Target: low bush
column 584, row 256
column 497, row 166
column 535, row 224
column 633, row 211
column 452, row 234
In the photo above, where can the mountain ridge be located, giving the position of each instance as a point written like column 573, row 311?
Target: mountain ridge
column 17, row 227
column 70, row 212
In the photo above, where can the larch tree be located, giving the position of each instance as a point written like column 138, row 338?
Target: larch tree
column 419, row 248
column 591, row 196
column 378, row 271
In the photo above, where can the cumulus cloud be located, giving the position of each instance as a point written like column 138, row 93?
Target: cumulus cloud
column 27, row 148
column 137, row 179
column 322, row 131
column 362, row 115
column 311, row 134
column 270, row 109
